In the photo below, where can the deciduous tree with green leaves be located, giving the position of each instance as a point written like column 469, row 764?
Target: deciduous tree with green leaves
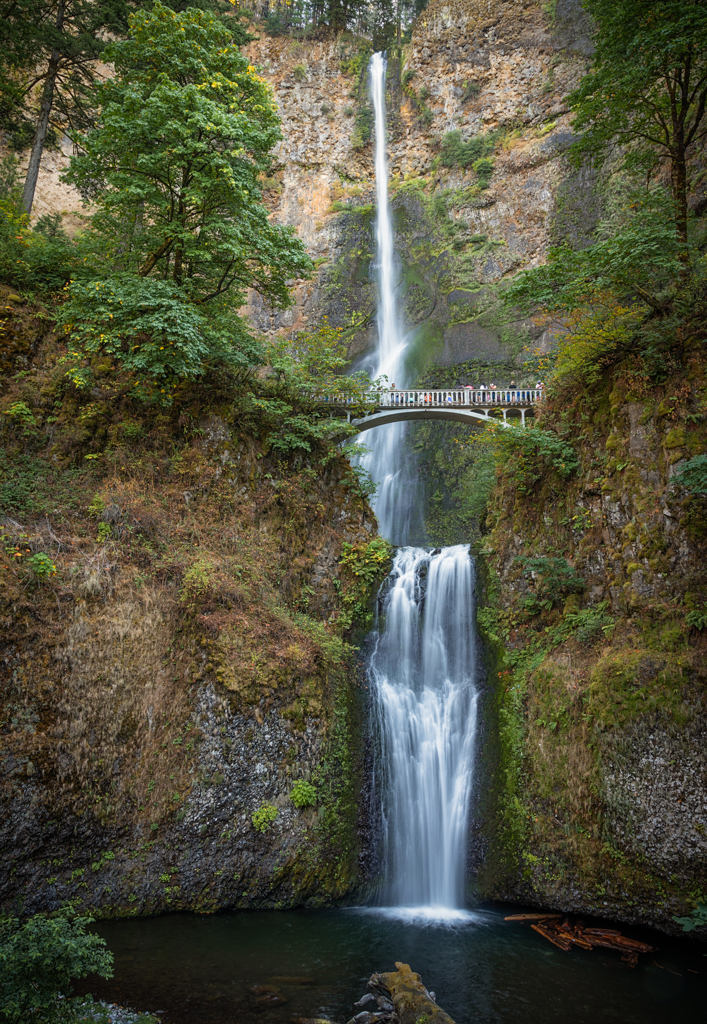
column 647, row 88
column 39, row 958
column 186, row 127
column 54, row 47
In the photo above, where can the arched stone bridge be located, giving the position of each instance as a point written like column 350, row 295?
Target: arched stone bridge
column 461, row 405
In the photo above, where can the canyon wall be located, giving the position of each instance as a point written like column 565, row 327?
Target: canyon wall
column 595, row 599
column 495, row 73
column 182, row 722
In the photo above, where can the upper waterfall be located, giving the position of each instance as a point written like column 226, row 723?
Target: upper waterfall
column 387, row 461
column 391, row 339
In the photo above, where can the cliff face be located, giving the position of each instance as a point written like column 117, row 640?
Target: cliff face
column 171, row 654
column 596, row 592
column 496, row 74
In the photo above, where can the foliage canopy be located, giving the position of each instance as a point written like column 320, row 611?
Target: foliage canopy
column 647, row 87
column 180, row 230
column 38, row 960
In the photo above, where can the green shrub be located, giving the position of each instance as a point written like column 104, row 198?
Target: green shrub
column 588, row 623
column 198, row 580
column 264, row 817
column 42, row 565
column 299, row 72
column 457, row 153
column 21, row 412
column 38, row 960
column 303, row 794
column 696, row 619
column 363, row 127
column 483, row 169
column 470, row 91
column 554, row 579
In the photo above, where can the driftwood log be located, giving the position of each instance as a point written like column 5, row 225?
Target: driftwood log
column 399, row 997
column 409, row 997
column 565, row 935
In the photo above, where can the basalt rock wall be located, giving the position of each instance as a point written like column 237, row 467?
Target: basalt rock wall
column 172, row 661
column 595, row 592
column 491, row 72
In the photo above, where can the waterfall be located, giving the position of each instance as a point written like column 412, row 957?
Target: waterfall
column 423, row 669
column 394, row 503
column 423, row 661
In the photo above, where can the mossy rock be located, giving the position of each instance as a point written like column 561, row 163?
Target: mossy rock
column 676, row 438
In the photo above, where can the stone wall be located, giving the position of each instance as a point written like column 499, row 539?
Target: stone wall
column 601, row 771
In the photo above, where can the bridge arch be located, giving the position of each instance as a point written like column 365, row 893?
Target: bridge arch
column 395, row 415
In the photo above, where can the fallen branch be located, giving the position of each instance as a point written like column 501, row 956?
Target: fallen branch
column 565, row 935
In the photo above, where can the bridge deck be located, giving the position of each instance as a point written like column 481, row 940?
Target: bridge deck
column 456, row 397
column 469, row 405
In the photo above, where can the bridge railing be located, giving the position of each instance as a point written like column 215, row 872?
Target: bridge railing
column 426, row 398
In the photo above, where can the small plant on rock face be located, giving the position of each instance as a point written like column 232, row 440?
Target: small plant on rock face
column 42, row 565
column 470, row 91
column 263, row 818
column 303, row 794
column 299, row 72
column 697, row 918
column 697, row 619
column 22, row 413
column 693, row 475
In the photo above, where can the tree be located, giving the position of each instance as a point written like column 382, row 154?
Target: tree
column 38, row 960
column 647, row 87
column 54, row 45
column 185, row 129
column 57, row 45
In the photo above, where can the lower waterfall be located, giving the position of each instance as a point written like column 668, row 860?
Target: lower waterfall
column 423, row 667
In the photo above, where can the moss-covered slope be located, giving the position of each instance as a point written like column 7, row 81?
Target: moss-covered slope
column 595, row 602
column 173, row 657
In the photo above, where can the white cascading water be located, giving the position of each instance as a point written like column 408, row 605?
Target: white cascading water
column 423, row 668
column 423, row 661
column 383, row 461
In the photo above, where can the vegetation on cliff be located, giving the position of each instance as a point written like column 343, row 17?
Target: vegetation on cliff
column 595, row 536
column 185, row 548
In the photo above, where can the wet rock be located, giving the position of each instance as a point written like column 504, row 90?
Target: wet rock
column 365, row 1000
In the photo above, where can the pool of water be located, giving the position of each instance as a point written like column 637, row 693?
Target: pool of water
column 272, row 967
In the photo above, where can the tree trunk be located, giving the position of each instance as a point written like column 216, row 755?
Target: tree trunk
column 45, row 110
column 678, row 174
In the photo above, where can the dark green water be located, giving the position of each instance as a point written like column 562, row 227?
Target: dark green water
column 200, row 970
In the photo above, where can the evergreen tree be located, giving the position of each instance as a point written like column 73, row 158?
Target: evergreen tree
column 56, row 44
column 647, row 87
